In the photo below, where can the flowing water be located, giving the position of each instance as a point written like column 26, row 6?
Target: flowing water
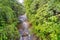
column 25, row 25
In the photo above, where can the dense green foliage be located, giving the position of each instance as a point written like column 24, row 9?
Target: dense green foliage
column 9, row 12
column 45, row 17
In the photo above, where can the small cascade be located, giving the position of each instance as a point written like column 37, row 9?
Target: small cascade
column 24, row 31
